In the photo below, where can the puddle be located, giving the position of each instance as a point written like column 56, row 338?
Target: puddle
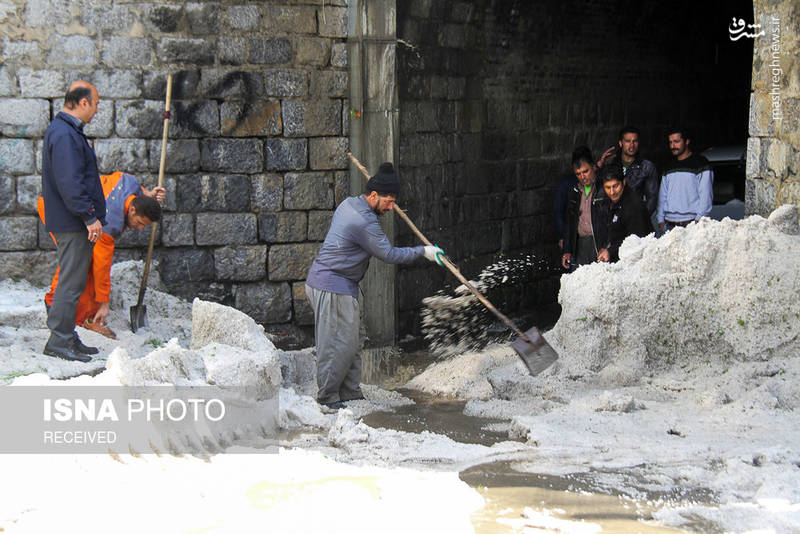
column 556, row 507
column 437, row 415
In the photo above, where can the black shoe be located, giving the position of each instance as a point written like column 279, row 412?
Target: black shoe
column 338, row 405
column 78, row 345
column 66, row 354
column 46, row 306
column 360, row 397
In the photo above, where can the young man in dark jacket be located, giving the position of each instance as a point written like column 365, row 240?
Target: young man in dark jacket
column 640, row 174
column 622, row 211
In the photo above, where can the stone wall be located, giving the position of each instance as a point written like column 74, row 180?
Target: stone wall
column 773, row 150
column 494, row 96
column 256, row 158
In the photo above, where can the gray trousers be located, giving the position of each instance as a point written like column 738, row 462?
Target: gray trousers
column 74, row 256
column 337, row 323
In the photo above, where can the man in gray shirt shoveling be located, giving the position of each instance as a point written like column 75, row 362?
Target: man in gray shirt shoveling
column 332, row 283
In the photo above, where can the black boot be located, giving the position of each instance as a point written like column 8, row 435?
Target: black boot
column 78, row 345
column 65, row 354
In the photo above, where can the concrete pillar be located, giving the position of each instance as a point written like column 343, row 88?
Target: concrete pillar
column 374, row 129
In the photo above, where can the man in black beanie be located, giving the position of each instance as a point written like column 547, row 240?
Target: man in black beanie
column 332, row 283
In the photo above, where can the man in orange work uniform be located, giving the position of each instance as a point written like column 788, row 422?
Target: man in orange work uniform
column 128, row 205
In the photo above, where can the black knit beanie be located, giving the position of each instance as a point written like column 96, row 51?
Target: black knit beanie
column 385, row 180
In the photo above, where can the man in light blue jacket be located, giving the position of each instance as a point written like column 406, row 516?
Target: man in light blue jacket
column 332, row 283
column 686, row 192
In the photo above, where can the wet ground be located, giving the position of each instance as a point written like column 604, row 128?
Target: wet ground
column 574, row 500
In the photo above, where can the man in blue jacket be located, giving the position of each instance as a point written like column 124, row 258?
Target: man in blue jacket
column 75, row 210
column 332, row 283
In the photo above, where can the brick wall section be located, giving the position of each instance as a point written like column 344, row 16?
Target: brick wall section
column 255, row 163
column 773, row 150
column 494, row 96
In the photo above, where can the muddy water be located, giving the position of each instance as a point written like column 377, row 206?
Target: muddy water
column 507, row 492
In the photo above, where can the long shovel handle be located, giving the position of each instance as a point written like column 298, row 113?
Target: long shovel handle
column 161, row 166
column 446, row 261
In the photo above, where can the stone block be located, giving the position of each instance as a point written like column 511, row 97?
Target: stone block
column 42, row 83
column 328, row 152
column 303, row 312
column 775, row 154
column 18, row 233
column 285, row 19
column 138, row 238
column 16, row 156
column 753, row 166
column 227, row 84
column 313, row 51
column 241, row 263
column 35, row 266
column 184, row 265
column 319, row 222
column 190, row 51
column 341, row 186
column 339, row 56
column 177, row 230
column 163, row 17
column 23, row 117
column 29, row 188
column 47, row 13
column 128, row 155
column 266, row 193
column 183, row 155
column 232, row 155
column 226, row 229
column 213, row 193
column 282, row 227
column 185, row 84
column 270, row 50
column 291, row 262
column 139, row 118
column 22, row 52
column 287, row 82
column 203, row 17
column 242, row 17
column 127, row 52
column 117, row 84
column 72, row 50
column 286, row 154
column 761, row 123
column 243, row 119
column 8, row 84
column 265, row 302
column 97, row 17
column 759, row 197
column 312, row 118
column 332, row 21
column 194, row 119
column 305, row 191
column 232, row 51
column 102, row 124
column 8, row 195
column 330, row 84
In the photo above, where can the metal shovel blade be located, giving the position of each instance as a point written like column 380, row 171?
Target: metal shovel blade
column 138, row 317
column 537, row 355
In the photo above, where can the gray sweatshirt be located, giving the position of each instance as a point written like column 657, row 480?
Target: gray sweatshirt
column 354, row 236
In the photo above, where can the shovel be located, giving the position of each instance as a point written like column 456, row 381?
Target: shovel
column 530, row 346
column 139, row 311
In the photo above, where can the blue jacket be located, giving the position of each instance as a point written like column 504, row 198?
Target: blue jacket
column 73, row 194
column 353, row 238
